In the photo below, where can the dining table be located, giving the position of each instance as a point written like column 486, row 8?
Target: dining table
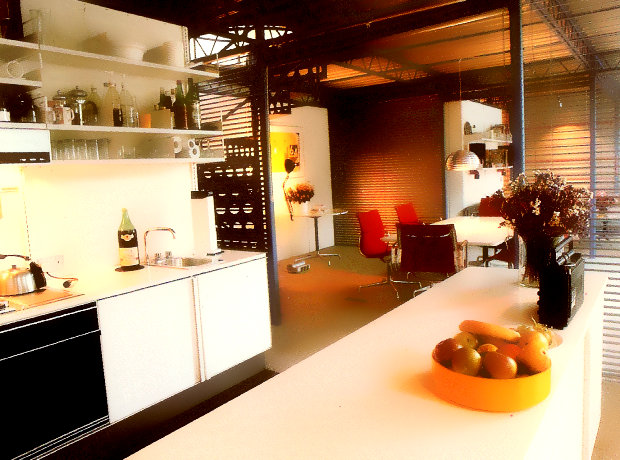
column 316, row 214
column 485, row 232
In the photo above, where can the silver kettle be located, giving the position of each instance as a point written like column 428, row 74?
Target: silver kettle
column 17, row 281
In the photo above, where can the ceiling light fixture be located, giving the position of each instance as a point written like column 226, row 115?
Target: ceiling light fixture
column 463, row 159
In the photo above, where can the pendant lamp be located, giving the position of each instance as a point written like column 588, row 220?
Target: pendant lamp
column 463, row 159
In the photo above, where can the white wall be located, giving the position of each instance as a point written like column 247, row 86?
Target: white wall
column 75, row 210
column 297, row 237
column 13, row 238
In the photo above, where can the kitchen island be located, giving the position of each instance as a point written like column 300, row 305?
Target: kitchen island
column 369, row 395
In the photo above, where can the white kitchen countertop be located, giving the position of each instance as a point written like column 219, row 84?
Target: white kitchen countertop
column 103, row 282
column 368, row 395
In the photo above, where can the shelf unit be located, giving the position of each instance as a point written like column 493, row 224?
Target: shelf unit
column 73, row 58
column 94, row 132
column 487, row 137
column 46, row 54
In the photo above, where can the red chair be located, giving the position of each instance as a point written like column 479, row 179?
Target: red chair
column 505, row 252
column 487, row 209
column 371, row 246
column 406, row 214
column 431, row 252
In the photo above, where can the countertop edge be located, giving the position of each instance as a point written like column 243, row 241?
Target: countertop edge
column 102, row 283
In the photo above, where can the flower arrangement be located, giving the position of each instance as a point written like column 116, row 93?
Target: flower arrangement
column 540, row 211
column 301, row 193
column 546, row 207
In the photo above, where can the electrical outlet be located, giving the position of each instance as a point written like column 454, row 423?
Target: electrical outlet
column 52, row 263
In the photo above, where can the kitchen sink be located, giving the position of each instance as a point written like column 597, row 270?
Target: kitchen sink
column 181, row 262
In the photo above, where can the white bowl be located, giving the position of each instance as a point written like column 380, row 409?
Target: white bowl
column 133, row 51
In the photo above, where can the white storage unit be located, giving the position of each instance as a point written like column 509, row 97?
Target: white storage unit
column 149, row 346
column 62, row 63
column 233, row 312
column 462, row 188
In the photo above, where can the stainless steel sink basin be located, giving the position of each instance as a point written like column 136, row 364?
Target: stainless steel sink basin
column 191, row 261
column 182, row 262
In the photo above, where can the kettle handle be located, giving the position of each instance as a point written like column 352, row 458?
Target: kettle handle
column 37, row 274
column 4, row 256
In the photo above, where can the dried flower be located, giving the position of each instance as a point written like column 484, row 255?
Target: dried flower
column 546, row 207
column 301, row 193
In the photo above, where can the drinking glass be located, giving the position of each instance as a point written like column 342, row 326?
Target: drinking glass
column 103, row 146
column 92, row 149
column 81, row 152
column 68, row 149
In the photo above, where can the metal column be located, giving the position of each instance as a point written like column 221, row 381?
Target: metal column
column 260, row 110
column 517, row 121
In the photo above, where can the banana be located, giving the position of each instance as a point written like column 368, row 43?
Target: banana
column 488, row 329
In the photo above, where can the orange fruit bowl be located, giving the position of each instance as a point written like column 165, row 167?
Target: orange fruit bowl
column 494, row 395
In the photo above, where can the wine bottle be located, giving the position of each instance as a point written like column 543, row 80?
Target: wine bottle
column 165, row 101
column 128, row 244
column 178, row 108
column 192, row 103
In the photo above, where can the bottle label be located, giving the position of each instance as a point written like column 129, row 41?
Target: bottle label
column 126, row 237
column 128, row 257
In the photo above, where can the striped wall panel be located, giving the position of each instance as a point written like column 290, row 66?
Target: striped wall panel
column 557, row 137
column 383, row 155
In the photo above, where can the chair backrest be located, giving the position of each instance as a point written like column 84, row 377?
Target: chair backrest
column 429, row 248
column 371, row 231
column 487, row 209
column 406, row 214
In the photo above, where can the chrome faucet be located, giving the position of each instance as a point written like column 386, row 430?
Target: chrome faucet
column 160, row 229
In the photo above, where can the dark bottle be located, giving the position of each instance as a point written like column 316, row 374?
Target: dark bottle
column 128, row 243
column 178, row 108
column 192, row 104
column 165, row 101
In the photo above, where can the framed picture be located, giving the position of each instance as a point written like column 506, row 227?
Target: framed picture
column 285, row 145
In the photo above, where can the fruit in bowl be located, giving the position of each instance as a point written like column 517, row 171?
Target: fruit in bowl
column 492, row 351
column 494, row 368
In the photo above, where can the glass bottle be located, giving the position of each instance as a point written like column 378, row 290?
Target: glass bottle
column 165, row 101
column 178, row 108
column 192, row 104
column 129, row 256
column 92, row 106
column 111, row 114
column 128, row 108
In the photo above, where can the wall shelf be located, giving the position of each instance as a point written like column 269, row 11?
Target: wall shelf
column 12, row 125
column 95, row 132
column 83, row 59
column 135, row 161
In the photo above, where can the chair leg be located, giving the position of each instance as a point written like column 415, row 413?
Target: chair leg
column 389, row 281
column 380, row 283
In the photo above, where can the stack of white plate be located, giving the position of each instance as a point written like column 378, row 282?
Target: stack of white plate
column 168, row 53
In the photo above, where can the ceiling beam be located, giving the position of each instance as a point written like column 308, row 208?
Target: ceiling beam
column 348, row 43
column 557, row 18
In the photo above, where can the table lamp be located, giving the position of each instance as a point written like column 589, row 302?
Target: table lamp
column 289, row 166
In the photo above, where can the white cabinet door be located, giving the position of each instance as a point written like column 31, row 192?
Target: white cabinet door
column 149, row 346
column 234, row 315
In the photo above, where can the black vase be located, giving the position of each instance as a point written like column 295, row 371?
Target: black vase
column 539, row 252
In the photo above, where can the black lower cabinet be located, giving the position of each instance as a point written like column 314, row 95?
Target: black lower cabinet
column 54, row 383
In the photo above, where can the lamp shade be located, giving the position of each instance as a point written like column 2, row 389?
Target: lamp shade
column 462, row 160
